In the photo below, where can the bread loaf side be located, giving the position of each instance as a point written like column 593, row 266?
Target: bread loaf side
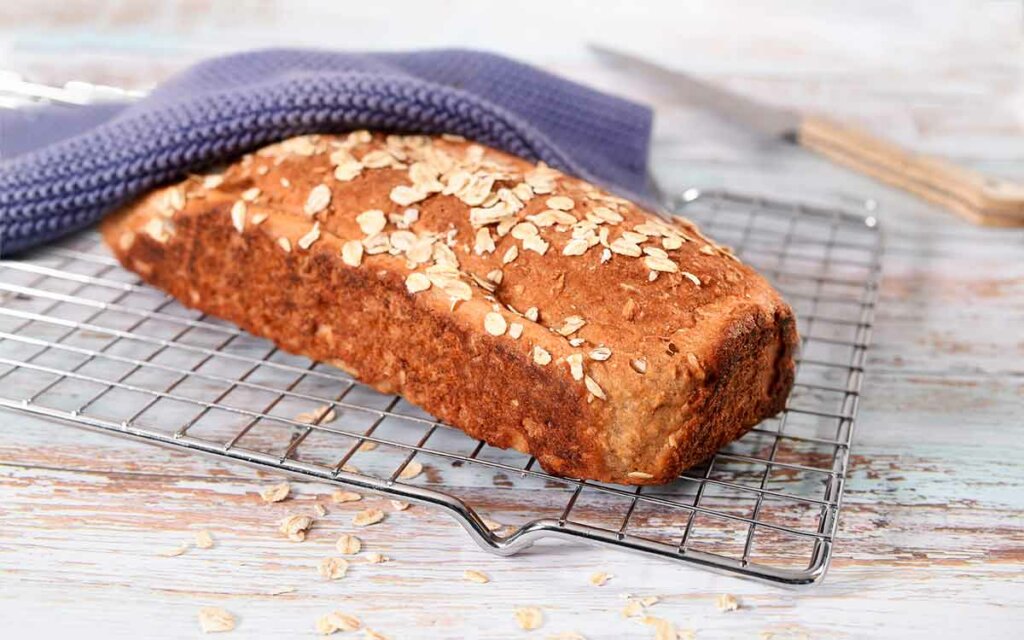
column 528, row 308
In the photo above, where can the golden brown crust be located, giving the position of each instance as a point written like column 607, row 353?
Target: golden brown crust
column 685, row 362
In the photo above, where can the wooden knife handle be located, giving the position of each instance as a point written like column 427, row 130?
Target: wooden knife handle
column 979, row 198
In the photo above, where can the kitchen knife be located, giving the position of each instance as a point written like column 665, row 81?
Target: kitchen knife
column 979, row 198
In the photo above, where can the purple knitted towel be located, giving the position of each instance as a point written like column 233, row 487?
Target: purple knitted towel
column 62, row 168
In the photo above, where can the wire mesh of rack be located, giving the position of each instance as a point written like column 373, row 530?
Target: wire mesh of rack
column 85, row 342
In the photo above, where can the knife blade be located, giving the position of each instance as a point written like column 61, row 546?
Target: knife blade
column 977, row 197
column 684, row 88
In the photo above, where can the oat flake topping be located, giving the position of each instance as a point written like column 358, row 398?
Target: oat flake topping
column 512, row 217
column 495, row 324
column 318, row 199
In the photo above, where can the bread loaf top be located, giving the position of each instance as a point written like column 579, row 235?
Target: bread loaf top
column 633, row 309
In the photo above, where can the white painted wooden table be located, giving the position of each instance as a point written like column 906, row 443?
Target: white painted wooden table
column 931, row 539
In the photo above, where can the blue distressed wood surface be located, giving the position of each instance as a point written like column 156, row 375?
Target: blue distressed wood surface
column 931, row 540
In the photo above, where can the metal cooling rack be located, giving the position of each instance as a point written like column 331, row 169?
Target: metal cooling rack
column 85, row 342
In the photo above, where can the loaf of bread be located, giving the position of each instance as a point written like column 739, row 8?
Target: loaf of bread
column 528, row 308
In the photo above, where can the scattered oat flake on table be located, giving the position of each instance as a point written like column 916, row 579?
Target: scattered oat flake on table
column 320, row 415
column 341, row 496
column 203, row 539
column 370, row 634
column 529, row 618
column 411, row 470
column 376, row 558
column 478, row 577
column 333, row 568
column 176, row 551
column 399, row 505
column 368, row 445
column 366, row 517
column 632, row 609
column 635, row 606
column 337, row 621
column 295, row 527
column 600, row 579
column 348, row 544
column 320, row 509
column 727, row 602
column 215, row 620
column 663, row 629
column 276, row 493
column 491, row 524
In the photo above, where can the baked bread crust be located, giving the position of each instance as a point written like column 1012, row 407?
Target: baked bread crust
column 525, row 307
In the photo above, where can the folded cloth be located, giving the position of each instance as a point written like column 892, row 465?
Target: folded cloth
column 63, row 168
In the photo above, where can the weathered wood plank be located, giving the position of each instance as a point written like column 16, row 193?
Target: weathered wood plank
column 88, row 535
column 932, row 530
